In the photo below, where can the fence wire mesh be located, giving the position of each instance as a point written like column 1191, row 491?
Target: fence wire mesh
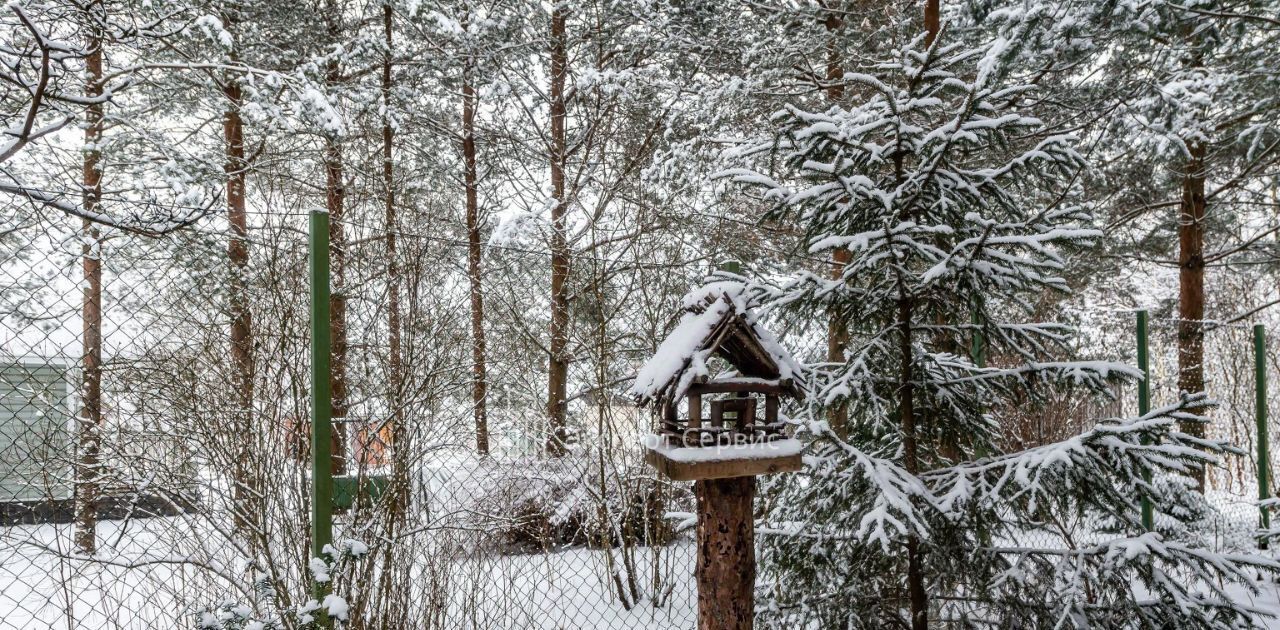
column 1231, row 489
column 154, row 473
column 198, row 461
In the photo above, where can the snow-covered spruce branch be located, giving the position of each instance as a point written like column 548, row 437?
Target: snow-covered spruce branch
column 889, row 497
column 1137, row 581
column 1112, row 461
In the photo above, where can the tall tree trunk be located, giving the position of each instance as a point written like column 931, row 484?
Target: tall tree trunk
column 837, row 327
column 89, row 426
column 479, row 369
column 335, row 196
column 911, row 457
column 246, row 488
column 558, row 361
column 1191, row 213
column 387, row 571
column 919, row 598
column 395, row 365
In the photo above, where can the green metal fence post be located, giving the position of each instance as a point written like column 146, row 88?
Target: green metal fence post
column 321, row 402
column 1144, row 405
column 1260, row 409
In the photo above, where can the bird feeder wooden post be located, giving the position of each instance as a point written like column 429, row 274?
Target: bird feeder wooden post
column 723, row 450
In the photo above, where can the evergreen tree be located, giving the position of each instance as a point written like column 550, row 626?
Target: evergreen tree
column 955, row 207
column 1180, row 102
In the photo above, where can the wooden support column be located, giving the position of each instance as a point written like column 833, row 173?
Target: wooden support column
column 726, row 569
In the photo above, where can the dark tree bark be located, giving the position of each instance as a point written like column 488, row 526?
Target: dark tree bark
column 1191, row 297
column 932, row 21
column 911, row 457
column 916, row 593
column 335, row 197
column 235, row 166
column 558, row 360
column 726, row 565
column 389, row 577
column 1191, row 264
column 89, row 424
column 479, row 368
column 395, row 365
column 837, row 328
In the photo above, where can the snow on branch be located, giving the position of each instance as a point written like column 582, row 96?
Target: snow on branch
column 840, row 474
column 37, row 64
column 156, row 220
column 710, row 313
column 1103, row 461
column 1147, row 580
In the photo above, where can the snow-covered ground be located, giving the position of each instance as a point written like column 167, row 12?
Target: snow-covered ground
column 156, row 573
column 1267, row 599
column 140, row 579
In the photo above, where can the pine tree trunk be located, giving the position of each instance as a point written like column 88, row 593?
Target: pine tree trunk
column 335, row 196
column 89, row 426
column 932, row 21
column 911, row 458
column 1191, row 214
column 378, row 606
column 479, row 369
column 558, row 361
column 246, row 488
column 919, row 598
column 726, row 565
column 388, row 578
column 837, row 328
column 395, row 364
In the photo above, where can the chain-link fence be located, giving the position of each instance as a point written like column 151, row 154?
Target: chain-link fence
column 1230, row 381
column 154, row 430
column 1231, row 489
column 154, row 437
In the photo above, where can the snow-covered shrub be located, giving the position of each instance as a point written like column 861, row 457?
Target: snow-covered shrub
column 533, row 505
column 265, row 611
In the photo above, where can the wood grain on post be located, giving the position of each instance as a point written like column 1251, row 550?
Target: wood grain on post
column 726, row 569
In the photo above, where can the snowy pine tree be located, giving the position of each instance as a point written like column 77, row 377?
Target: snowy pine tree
column 956, row 208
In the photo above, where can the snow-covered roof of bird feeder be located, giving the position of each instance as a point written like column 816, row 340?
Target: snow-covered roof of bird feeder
column 717, row 321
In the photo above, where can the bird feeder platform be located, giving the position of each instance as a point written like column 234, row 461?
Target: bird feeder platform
column 692, row 463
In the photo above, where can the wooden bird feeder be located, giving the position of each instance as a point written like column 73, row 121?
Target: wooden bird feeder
column 724, row 438
column 730, row 426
